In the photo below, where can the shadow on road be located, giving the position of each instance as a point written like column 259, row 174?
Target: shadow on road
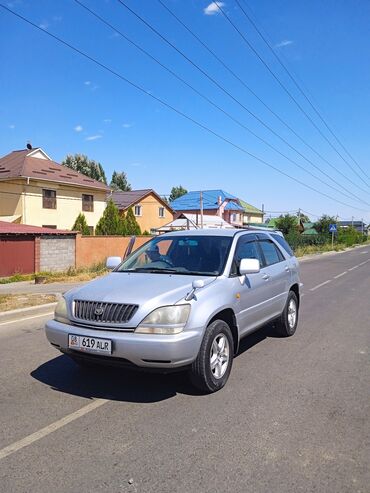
column 117, row 384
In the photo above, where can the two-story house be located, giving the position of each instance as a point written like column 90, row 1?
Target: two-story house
column 213, row 203
column 150, row 210
column 36, row 190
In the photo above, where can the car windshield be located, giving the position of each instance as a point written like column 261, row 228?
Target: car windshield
column 198, row 255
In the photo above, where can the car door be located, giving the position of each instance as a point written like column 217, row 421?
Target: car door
column 276, row 275
column 250, row 290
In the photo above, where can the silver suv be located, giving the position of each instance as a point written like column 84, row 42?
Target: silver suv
column 183, row 300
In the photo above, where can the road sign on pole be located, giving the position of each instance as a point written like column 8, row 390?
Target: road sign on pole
column 332, row 230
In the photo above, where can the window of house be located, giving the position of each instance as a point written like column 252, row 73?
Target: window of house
column 50, row 226
column 161, row 211
column 137, row 210
column 87, row 203
column 49, row 199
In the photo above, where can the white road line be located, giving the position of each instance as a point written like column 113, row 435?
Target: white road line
column 26, row 318
column 366, row 261
column 340, row 275
column 319, row 285
column 24, row 442
column 353, row 268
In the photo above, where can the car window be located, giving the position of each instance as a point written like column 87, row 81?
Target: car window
column 270, row 252
column 245, row 248
column 282, row 242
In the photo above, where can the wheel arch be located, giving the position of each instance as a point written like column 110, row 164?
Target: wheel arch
column 295, row 289
column 228, row 316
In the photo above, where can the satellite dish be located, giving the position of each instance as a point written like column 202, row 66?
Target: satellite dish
column 29, row 145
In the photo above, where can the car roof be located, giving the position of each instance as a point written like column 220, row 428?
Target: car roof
column 214, row 232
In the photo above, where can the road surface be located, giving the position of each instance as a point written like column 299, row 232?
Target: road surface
column 294, row 416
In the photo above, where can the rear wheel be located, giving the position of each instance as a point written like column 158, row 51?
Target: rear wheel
column 211, row 370
column 288, row 321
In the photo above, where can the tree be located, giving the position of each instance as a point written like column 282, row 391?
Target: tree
column 86, row 166
column 287, row 224
column 322, row 225
column 119, row 182
column 132, row 226
column 81, row 225
column 111, row 223
column 177, row 192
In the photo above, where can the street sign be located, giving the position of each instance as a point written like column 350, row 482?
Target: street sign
column 332, row 228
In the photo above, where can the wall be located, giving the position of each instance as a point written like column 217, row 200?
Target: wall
column 57, row 253
column 10, row 198
column 17, row 255
column 92, row 250
column 150, row 214
column 252, row 218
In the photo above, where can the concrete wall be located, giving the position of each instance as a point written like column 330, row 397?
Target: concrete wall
column 57, row 253
column 92, row 250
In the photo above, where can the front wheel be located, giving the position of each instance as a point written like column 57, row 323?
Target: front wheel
column 288, row 321
column 211, row 370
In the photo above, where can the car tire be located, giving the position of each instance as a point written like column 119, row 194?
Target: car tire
column 286, row 325
column 211, row 369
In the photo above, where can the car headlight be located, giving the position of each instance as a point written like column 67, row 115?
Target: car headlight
column 61, row 314
column 165, row 320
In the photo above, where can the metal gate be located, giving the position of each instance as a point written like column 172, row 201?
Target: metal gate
column 17, row 255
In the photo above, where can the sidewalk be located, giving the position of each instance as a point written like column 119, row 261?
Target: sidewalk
column 29, row 287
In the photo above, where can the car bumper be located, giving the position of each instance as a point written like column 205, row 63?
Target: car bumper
column 142, row 350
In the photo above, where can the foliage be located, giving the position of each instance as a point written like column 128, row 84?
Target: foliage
column 145, row 233
column 81, row 225
column 177, row 192
column 119, row 182
column 286, row 224
column 86, row 166
column 350, row 236
column 131, row 225
column 111, row 223
column 322, row 225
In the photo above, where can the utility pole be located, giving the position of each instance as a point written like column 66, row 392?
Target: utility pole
column 263, row 212
column 362, row 226
column 352, row 221
column 201, row 209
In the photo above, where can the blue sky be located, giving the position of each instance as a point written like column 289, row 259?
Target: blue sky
column 66, row 104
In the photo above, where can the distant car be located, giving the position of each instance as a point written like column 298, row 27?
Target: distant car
column 183, row 300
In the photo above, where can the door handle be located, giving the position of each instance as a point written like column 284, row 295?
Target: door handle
column 265, row 277
column 287, row 269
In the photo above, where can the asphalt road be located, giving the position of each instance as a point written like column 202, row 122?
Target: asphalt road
column 293, row 417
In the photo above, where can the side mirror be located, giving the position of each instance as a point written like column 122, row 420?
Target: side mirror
column 197, row 284
column 113, row 262
column 249, row 266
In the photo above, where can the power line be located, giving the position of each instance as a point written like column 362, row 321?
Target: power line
column 169, row 106
column 300, row 88
column 281, row 120
column 215, row 105
column 220, row 8
column 217, row 84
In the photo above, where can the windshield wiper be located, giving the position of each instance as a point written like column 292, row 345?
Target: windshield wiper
column 154, row 270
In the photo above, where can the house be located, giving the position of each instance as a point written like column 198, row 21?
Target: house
column 189, row 221
column 251, row 215
column 360, row 226
column 309, row 229
column 150, row 210
column 214, row 202
column 36, row 190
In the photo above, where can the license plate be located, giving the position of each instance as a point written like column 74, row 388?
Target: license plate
column 89, row 344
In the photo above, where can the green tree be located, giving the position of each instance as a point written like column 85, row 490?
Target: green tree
column 119, row 182
column 287, row 224
column 86, row 166
column 81, row 225
column 132, row 226
column 111, row 222
column 322, row 225
column 177, row 192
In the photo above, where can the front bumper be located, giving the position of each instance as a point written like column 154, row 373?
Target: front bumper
column 143, row 350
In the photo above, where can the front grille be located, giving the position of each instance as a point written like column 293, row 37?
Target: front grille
column 96, row 311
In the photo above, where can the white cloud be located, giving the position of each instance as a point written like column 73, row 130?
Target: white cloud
column 127, row 125
column 285, row 42
column 44, row 25
column 107, row 120
column 12, row 126
column 94, row 137
column 78, row 128
column 87, row 82
column 213, row 9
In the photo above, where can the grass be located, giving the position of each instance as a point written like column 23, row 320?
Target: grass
column 11, row 302
column 301, row 251
column 70, row 275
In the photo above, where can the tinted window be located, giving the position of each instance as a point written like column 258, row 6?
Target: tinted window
column 270, row 252
column 244, row 249
column 282, row 242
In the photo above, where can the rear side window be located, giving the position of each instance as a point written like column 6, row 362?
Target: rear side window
column 270, row 252
column 282, row 242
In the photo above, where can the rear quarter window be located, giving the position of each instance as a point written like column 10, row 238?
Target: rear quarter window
column 283, row 243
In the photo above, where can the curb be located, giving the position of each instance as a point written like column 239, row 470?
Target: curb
column 30, row 310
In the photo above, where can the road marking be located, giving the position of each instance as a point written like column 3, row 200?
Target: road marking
column 24, row 442
column 353, row 268
column 26, row 318
column 340, row 275
column 366, row 261
column 319, row 285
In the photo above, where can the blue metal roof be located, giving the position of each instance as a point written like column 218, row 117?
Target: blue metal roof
column 191, row 201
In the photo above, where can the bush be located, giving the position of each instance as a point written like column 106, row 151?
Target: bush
column 81, row 225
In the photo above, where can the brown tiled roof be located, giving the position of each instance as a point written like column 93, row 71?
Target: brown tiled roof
column 123, row 200
column 24, row 229
column 19, row 164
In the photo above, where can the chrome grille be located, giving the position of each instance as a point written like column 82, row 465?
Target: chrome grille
column 97, row 311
